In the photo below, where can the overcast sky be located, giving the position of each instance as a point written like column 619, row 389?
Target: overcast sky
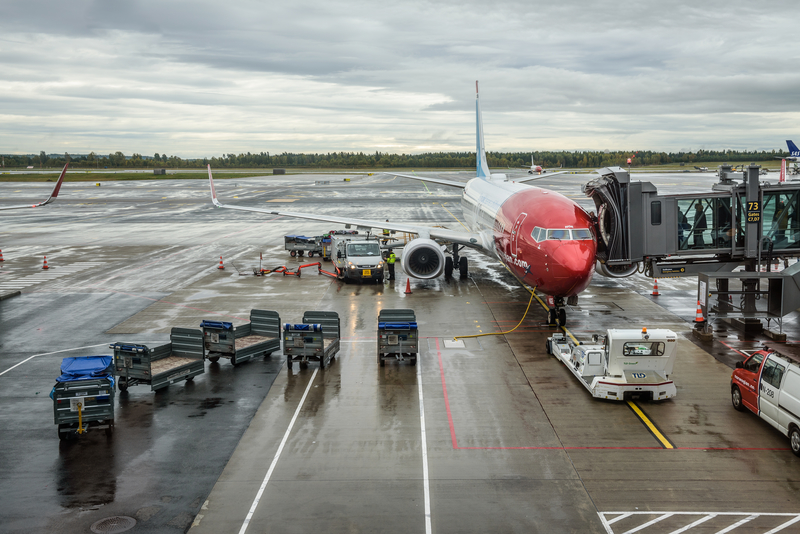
column 205, row 78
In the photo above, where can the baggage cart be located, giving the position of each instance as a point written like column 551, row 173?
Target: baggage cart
column 316, row 339
column 260, row 337
column 83, row 397
column 398, row 338
column 181, row 359
column 297, row 245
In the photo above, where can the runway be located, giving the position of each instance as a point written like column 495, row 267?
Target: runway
column 496, row 436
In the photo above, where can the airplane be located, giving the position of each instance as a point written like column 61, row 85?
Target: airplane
column 50, row 199
column 546, row 240
column 701, row 169
column 535, row 168
column 794, row 152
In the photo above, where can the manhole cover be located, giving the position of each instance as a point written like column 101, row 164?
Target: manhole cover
column 112, row 525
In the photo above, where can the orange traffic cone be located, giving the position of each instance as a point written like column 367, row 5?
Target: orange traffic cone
column 220, row 263
column 45, row 263
column 655, row 288
column 408, row 286
column 698, row 318
column 1, row 255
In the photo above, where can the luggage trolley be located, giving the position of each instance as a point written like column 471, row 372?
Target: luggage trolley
column 298, row 244
column 83, row 397
column 315, row 339
column 398, row 337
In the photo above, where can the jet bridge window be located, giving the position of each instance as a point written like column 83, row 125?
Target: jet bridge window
column 643, row 348
column 705, row 223
column 655, row 213
column 781, row 219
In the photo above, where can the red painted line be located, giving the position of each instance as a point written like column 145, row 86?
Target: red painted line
column 734, row 350
column 446, row 399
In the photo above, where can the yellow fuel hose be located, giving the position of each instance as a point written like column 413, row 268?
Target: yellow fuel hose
column 533, row 293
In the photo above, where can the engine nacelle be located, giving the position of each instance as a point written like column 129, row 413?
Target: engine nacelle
column 616, row 271
column 423, row 258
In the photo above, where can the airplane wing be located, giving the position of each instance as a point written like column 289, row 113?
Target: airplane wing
column 51, row 198
column 439, row 181
column 470, row 239
column 537, row 177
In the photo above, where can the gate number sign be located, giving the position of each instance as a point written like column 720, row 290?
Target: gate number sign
column 754, row 212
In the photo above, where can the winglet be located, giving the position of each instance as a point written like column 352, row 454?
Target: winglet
column 480, row 151
column 56, row 189
column 213, row 191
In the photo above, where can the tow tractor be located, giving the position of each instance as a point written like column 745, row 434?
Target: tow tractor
column 624, row 364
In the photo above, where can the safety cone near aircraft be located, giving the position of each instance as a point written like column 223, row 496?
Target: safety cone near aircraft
column 698, row 318
column 655, row 288
column 408, row 286
column 220, row 263
column 45, row 266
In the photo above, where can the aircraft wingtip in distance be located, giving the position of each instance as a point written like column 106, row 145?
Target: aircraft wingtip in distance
column 50, row 199
column 546, row 240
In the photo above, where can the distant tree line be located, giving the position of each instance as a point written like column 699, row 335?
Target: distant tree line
column 351, row 160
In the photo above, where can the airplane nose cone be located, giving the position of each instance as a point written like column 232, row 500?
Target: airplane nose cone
column 573, row 267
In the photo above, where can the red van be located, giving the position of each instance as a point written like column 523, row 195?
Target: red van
column 768, row 384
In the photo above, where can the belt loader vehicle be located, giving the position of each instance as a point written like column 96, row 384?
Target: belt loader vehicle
column 624, row 364
column 260, row 337
column 768, row 384
column 83, row 397
column 180, row 359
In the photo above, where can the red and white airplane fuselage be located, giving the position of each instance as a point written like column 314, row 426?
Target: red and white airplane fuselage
column 510, row 212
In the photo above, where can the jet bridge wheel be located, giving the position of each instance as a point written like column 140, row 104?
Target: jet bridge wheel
column 448, row 267
column 736, row 400
column 462, row 266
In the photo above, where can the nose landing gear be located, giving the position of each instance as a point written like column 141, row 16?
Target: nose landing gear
column 558, row 314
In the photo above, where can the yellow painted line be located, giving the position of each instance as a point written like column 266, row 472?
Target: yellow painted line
column 281, row 200
column 456, row 218
column 650, row 426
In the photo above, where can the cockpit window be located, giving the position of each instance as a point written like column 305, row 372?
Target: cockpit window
column 558, row 234
column 581, row 234
column 537, row 234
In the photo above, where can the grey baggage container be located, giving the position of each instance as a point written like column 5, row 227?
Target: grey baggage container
column 83, row 404
column 312, row 344
column 398, row 336
column 181, row 359
column 260, row 337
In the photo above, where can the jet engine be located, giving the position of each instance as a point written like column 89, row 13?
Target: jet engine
column 616, row 271
column 423, row 258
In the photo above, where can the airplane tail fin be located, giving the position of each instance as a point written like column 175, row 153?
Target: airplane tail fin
column 480, row 151
column 793, row 150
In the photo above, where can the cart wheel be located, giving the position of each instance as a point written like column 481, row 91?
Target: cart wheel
column 293, row 253
column 380, row 360
column 122, row 384
column 213, row 359
column 233, row 360
column 300, row 253
column 110, row 429
column 303, row 365
column 63, row 436
column 289, row 362
column 310, row 253
column 413, row 360
column 189, row 378
column 322, row 362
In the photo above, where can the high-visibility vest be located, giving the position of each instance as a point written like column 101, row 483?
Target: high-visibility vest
column 385, row 231
column 392, row 258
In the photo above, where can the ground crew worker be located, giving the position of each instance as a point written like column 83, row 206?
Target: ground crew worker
column 386, row 234
column 390, row 262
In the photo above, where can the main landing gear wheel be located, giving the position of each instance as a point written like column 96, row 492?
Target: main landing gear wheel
column 462, row 266
column 562, row 317
column 448, row 267
column 551, row 316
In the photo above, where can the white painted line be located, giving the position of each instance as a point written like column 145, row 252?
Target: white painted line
column 49, row 353
column 277, row 455
column 623, row 516
column 653, row 522
column 737, row 524
column 425, row 478
column 783, row 526
column 692, row 525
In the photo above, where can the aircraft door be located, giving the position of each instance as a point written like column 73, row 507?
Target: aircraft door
column 515, row 233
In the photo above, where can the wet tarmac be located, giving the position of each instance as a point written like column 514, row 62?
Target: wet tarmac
column 496, row 436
